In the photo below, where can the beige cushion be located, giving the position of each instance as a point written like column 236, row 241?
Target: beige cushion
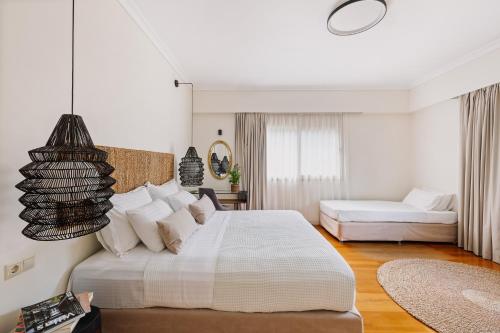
column 176, row 229
column 202, row 209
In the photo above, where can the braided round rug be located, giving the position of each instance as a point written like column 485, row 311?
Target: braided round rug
column 447, row 296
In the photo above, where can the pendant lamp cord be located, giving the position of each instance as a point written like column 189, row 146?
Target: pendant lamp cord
column 192, row 114
column 177, row 84
column 72, row 56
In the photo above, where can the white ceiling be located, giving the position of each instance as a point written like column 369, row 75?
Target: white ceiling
column 284, row 44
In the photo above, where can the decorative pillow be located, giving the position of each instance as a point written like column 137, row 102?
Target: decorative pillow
column 181, row 199
column 176, row 229
column 162, row 191
column 118, row 236
column 143, row 220
column 426, row 200
column 202, row 209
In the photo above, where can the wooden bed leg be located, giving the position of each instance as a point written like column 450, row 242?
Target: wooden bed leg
column 400, row 243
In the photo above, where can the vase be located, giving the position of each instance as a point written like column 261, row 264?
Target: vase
column 235, row 188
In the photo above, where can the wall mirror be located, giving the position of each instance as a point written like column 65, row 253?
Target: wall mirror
column 220, row 159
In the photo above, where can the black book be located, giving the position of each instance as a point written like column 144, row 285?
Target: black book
column 51, row 314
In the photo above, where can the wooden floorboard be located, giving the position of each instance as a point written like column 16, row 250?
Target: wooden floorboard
column 380, row 313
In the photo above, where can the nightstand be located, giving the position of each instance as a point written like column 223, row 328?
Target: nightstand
column 90, row 323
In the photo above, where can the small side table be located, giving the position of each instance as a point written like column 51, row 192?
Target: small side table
column 90, row 323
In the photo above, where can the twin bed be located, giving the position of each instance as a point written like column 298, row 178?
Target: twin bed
column 243, row 271
column 349, row 220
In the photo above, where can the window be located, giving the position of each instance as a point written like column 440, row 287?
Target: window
column 304, row 147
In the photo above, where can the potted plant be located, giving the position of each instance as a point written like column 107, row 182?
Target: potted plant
column 234, row 178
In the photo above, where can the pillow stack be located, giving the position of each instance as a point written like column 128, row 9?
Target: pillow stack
column 118, row 236
column 159, row 216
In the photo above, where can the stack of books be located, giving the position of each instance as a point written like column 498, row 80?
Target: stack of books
column 58, row 314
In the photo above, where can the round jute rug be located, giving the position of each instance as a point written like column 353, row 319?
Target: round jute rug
column 449, row 297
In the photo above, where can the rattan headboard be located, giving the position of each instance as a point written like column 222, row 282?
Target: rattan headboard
column 134, row 167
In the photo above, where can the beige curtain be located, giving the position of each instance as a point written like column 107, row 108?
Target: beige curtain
column 250, row 154
column 479, row 213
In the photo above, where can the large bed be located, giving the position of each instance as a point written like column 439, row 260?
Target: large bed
column 365, row 220
column 243, row 271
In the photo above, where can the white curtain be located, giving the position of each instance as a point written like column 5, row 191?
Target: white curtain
column 305, row 161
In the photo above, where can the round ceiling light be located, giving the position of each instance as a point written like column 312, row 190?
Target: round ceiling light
column 351, row 17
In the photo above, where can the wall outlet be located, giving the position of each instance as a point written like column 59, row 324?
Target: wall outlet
column 17, row 268
column 12, row 270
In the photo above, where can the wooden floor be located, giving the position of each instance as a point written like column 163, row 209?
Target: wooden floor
column 380, row 313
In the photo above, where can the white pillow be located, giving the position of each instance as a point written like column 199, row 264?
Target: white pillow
column 144, row 220
column 133, row 199
column 118, row 236
column 445, row 202
column 162, row 191
column 428, row 200
column 181, row 199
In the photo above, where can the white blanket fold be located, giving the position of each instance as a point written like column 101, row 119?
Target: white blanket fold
column 186, row 280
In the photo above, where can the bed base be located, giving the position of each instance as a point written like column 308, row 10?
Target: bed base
column 389, row 231
column 211, row 321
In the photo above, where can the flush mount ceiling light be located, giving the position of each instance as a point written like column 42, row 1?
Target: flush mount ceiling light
column 350, row 17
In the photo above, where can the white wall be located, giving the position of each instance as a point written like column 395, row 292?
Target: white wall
column 436, row 145
column 478, row 73
column 205, row 133
column 381, row 101
column 124, row 91
column 379, row 156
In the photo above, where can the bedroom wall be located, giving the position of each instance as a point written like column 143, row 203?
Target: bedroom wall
column 379, row 156
column 205, row 133
column 124, row 91
column 379, row 153
column 474, row 71
column 291, row 101
column 436, row 146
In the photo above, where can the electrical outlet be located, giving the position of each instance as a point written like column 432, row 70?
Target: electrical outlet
column 12, row 270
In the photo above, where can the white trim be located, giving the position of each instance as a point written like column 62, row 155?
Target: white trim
column 136, row 14
column 485, row 49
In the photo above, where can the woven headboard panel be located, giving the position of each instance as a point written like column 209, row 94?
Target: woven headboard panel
column 133, row 167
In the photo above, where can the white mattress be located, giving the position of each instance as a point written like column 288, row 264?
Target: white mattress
column 383, row 211
column 248, row 261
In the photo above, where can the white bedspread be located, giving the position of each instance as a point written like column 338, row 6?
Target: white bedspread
column 249, row 261
column 186, row 280
column 382, row 211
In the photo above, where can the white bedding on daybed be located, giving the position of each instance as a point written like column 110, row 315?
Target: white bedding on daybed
column 383, row 211
column 249, row 261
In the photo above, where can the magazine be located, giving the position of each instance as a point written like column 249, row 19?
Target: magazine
column 53, row 313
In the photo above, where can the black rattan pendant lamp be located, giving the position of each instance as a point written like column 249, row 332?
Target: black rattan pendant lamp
column 191, row 166
column 68, row 184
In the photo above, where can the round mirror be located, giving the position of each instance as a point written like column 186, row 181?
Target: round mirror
column 220, row 159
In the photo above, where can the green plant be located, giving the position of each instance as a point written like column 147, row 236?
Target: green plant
column 234, row 175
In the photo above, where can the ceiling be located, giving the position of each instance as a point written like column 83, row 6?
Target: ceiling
column 284, row 44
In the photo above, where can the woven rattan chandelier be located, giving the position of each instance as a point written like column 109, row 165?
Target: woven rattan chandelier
column 68, row 184
column 191, row 166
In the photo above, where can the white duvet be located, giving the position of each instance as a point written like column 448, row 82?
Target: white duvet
column 382, row 211
column 248, row 261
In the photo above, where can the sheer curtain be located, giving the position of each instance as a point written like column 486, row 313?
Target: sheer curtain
column 305, row 161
